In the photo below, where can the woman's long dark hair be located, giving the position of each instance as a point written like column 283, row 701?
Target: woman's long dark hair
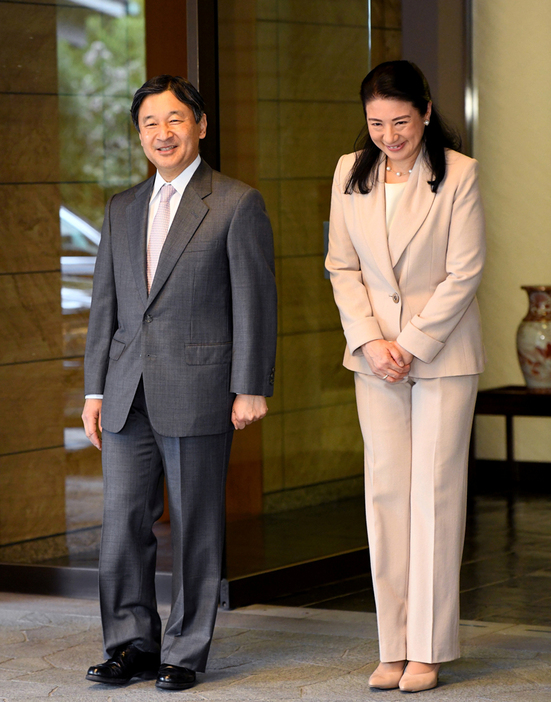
column 401, row 80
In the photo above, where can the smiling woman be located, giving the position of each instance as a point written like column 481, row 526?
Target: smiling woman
column 414, row 344
column 397, row 129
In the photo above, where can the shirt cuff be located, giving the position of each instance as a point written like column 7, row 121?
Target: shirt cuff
column 93, row 397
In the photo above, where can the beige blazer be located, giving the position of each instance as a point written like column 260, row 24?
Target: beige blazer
column 417, row 284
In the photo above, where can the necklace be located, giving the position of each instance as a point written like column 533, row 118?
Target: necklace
column 398, row 173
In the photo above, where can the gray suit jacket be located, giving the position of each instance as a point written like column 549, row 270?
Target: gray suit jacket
column 207, row 330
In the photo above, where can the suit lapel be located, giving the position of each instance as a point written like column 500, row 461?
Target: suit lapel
column 136, row 229
column 374, row 223
column 412, row 210
column 188, row 217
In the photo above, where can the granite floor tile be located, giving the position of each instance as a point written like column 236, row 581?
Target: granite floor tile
column 268, row 654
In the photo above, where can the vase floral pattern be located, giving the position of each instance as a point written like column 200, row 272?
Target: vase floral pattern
column 534, row 339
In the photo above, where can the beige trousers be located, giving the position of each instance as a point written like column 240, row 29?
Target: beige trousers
column 416, row 437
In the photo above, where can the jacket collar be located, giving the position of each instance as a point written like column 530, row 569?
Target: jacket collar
column 188, row 217
column 413, row 209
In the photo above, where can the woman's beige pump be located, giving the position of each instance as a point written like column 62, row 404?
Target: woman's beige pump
column 386, row 680
column 417, row 682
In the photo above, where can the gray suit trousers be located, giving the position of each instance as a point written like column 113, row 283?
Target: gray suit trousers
column 134, row 462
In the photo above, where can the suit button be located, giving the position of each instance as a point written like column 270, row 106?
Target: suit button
column 272, row 376
column 148, row 318
column 396, row 298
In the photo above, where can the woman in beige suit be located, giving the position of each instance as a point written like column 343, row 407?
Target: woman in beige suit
column 406, row 251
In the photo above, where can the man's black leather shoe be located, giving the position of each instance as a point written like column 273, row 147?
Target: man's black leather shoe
column 172, row 677
column 127, row 663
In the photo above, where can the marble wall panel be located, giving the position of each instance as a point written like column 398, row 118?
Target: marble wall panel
column 386, row 46
column 377, row 13
column 32, row 495
column 74, row 329
column 322, row 444
column 32, row 406
column 393, row 14
column 386, row 13
column 266, row 9
column 315, row 134
column 272, row 452
column 30, row 317
column 268, row 139
column 27, row 48
column 307, row 296
column 311, row 59
column 238, row 155
column 83, row 461
column 73, row 393
column 267, row 51
column 321, row 62
column 334, row 12
column 270, row 190
column 313, row 374
column 238, row 90
column 305, row 206
column 31, row 153
column 29, row 228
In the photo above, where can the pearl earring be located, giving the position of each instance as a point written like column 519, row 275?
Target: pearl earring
column 426, row 123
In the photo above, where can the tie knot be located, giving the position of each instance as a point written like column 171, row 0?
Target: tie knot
column 167, row 191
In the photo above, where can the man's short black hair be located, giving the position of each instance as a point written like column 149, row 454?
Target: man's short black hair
column 178, row 86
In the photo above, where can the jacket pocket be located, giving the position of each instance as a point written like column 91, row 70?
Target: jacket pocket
column 208, row 354
column 202, row 245
column 116, row 348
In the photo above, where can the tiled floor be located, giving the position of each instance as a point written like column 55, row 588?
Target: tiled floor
column 262, row 654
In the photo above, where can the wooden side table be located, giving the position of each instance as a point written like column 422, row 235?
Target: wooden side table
column 510, row 401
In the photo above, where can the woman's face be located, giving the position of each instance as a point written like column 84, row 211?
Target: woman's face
column 397, row 128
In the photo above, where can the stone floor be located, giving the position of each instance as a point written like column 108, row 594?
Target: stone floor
column 262, row 653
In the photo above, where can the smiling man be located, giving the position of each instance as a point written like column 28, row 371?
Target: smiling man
column 180, row 352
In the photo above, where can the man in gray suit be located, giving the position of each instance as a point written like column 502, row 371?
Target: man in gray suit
column 180, row 351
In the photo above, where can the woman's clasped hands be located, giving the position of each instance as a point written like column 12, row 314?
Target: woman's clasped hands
column 388, row 360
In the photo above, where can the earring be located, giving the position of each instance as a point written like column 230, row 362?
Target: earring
column 426, row 123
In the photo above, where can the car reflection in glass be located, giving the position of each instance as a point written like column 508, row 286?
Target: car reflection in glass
column 79, row 246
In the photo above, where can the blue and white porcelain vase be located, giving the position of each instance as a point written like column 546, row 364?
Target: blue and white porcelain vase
column 534, row 339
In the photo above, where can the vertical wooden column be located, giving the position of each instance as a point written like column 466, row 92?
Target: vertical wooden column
column 182, row 39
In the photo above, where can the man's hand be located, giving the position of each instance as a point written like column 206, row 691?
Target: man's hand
column 386, row 360
column 248, row 409
column 91, row 418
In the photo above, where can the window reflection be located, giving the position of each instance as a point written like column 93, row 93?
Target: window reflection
column 101, row 62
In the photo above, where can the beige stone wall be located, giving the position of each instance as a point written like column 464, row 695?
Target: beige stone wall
column 66, row 140
column 32, row 471
column 294, row 85
column 512, row 65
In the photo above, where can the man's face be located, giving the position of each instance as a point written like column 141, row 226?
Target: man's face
column 169, row 133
